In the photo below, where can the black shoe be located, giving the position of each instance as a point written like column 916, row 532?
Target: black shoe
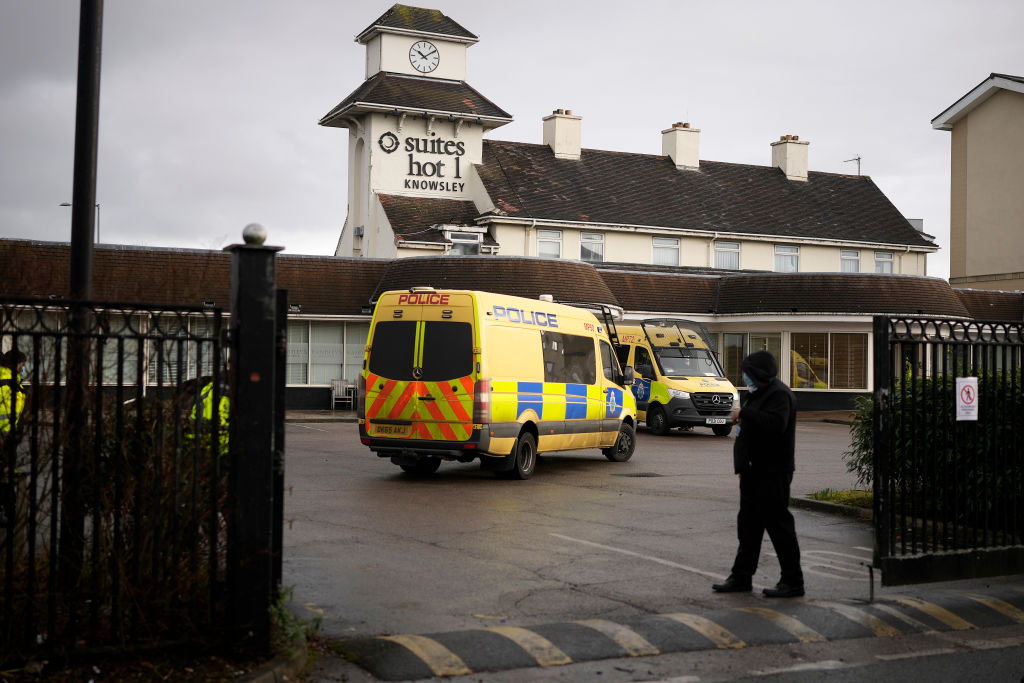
column 784, row 590
column 733, row 585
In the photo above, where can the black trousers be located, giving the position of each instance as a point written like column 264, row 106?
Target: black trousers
column 764, row 506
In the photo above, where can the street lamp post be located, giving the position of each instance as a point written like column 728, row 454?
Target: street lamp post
column 97, row 218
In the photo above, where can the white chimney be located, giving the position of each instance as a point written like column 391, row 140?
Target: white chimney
column 790, row 154
column 682, row 144
column 562, row 134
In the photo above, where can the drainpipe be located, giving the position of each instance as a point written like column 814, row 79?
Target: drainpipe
column 711, row 250
column 526, row 238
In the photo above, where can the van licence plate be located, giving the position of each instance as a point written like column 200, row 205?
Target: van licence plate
column 715, row 421
column 390, row 430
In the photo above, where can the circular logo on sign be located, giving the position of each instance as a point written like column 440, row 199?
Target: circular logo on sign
column 388, row 142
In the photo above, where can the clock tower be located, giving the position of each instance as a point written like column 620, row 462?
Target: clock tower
column 415, row 131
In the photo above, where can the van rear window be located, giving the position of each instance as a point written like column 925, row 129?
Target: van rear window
column 393, row 350
column 447, row 350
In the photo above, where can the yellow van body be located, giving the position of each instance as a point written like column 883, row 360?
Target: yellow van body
column 461, row 375
column 679, row 382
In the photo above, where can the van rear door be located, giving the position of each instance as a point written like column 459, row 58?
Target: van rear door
column 420, row 370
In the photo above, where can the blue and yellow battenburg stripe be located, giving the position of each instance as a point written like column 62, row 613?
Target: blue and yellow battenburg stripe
column 553, row 401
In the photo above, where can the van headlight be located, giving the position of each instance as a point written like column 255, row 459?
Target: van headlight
column 676, row 393
column 735, row 397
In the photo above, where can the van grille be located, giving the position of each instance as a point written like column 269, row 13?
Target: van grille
column 712, row 403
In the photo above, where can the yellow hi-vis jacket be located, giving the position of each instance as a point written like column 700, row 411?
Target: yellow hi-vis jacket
column 206, row 403
column 12, row 399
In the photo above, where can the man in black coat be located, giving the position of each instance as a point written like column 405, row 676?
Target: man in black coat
column 763, row 457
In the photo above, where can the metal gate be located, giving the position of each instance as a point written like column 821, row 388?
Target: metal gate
column 142, row 470
column 948, row 492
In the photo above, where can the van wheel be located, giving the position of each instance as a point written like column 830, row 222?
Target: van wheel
column 624, row 446
column 422, row 467
column 657, row 422
column 721, row 430
column 525, row 458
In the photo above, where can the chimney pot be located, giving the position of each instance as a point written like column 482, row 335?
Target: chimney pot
column 568, row 112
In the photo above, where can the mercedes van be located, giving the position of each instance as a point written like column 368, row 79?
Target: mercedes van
column 679, row 381
column 460, row 375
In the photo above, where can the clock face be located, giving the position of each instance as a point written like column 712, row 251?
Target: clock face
column 423, row 56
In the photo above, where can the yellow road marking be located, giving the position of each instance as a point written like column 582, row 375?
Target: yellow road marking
column 803, row 632
column 441, row 660
column 628, row 639
column 536, row 645
column 936, row 612
column 721, row 637
column 999, row 606
column 879, row 627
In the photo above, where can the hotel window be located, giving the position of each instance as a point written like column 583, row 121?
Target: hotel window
column 666, row 251
column 549, row 243
column 738, row 345
column 822, row 360
column 592, row 247
column 883, row 261
column 319, row 351
column 849, row 261
column 727, row 255
column 464, row 243
column 787, row 259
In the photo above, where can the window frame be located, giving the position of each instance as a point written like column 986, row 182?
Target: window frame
column 549, row 237
column 782, row 253
column 722, row 251
column 592, row 238
column 845, row 259
column 881, row 259
column 659, row 248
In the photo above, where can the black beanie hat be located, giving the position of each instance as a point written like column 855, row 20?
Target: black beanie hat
column 761, row 367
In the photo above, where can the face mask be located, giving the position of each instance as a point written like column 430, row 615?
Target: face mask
column 749, row 382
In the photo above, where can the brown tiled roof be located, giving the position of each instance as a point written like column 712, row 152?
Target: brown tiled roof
column 992, row 304
column 527, row 181
column 660, row 291
column 417, row 94
column 327, row 285
column 566, row 281
column 855, row 294
column 411, row 217
column 184, row 277
column 418, row 19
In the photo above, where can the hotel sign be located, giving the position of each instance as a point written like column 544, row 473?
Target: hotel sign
column 432, row 163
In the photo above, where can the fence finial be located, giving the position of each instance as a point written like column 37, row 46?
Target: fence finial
column 254, row 234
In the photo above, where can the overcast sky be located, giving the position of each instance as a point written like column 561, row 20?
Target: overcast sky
column 209, row 110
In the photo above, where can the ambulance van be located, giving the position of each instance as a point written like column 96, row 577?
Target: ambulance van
column 460, row 375
column 679, row 382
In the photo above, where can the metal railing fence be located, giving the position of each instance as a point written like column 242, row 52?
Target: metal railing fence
column 948, row 492
column 113, row 482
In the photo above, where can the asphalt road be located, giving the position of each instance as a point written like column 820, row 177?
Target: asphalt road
column 375, row 552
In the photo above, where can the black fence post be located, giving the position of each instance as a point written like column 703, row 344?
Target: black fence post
column 880, row 456
column 250, row 471
column 279, row 395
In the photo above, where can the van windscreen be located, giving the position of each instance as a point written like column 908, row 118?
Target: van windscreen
column 447, row 351
column 686, row 362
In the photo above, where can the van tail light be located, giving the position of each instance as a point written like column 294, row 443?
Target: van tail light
column 361, row 398
column 481, row 402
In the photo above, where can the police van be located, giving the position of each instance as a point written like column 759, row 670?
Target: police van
column 460, row 375
column 679, row 381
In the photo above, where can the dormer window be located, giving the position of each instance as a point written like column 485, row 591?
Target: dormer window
column 464, row 243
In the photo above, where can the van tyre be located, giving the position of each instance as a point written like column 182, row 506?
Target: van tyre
column 657, row 421
column 524, row 458
column 721, row 430
column 624, row 445
column 423, row 467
